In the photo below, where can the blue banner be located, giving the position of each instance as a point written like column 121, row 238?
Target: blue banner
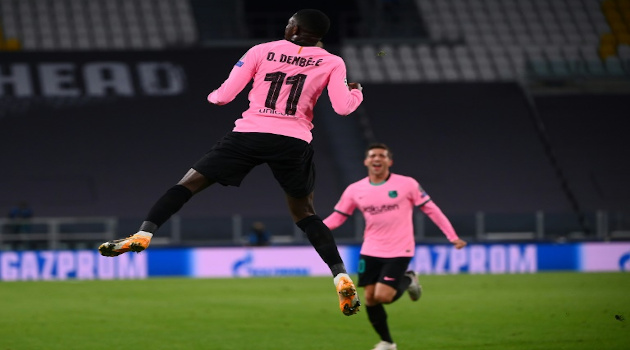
column 238, row 262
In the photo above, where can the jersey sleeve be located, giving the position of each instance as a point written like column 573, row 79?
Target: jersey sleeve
column 241, row 74
column 418, row 195
column 335, row 219
column 437, row 216
column 343, row 100
column 343, row 210
column 346, row 204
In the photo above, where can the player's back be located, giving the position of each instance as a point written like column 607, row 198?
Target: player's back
column 288, row 80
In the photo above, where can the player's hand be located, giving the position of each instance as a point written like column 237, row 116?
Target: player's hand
column 459, row 243
column 355, row 86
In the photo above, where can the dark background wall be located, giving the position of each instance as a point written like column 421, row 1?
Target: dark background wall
column 476, row 147
column 590, row 137
column 116, row 155
column 472, row 146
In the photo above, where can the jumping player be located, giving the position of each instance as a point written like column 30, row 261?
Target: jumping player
column 289, row 76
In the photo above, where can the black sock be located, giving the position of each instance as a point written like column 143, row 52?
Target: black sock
column 148, row 226
column 170, row 203
column 323, row 241
column 378, row 319
column 402, row 287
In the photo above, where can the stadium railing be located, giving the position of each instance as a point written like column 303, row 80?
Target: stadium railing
column 56, row 233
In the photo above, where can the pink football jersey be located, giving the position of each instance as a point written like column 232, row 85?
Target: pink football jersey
column 288, row 80
column 388, row 212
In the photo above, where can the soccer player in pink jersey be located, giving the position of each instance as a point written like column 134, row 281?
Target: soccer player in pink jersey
column 387, row 202
column 289, row 76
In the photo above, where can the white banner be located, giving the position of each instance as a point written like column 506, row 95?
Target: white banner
column 598, row 257
column 258, row 262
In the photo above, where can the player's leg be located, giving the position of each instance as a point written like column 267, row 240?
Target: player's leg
column 378, row 319
column 415, row 289
column 292, row 165
column 228, row 162
column 387, row 282
column 174, row 199
column 384, row 294
column 370, row 271
column 291, row 161
column 393, row 281
column 321, row 238
column 167, row 205
column 318, row 234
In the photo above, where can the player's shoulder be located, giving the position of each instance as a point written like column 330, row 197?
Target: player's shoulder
column 404, row 179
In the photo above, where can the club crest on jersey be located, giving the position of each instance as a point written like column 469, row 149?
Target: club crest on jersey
column 393, row 194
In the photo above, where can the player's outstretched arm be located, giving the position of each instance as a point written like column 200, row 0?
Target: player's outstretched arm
column 344, row 98
column 240, row 76
column 437, row 216
column 335, row 219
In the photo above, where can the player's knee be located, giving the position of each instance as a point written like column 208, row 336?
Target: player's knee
column 301, row 214
column 301, row 208
column 194, row 182
column 381, row 298
column 370, row 301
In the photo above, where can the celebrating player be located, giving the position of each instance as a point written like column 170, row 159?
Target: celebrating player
column 387, row 201
column 289, row 76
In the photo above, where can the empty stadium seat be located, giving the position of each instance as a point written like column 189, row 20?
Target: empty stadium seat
column 354, row 63
column 409, row 62
column 98, row 24
column 552, row 38
column 550, row 34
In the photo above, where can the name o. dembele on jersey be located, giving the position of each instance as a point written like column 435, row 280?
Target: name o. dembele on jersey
column 294, row 60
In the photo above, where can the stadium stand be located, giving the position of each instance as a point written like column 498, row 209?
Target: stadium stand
column 512, row 40
column 447, row 40
column 45, row 25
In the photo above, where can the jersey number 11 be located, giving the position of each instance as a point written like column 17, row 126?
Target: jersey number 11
column 277, row 79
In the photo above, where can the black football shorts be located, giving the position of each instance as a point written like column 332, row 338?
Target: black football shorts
column 237, row 153
column 389, row 271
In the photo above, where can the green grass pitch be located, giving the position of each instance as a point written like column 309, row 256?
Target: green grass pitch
column 589, row 311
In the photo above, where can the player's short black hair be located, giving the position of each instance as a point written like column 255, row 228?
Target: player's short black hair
column 313, row 21
column 381, row 146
